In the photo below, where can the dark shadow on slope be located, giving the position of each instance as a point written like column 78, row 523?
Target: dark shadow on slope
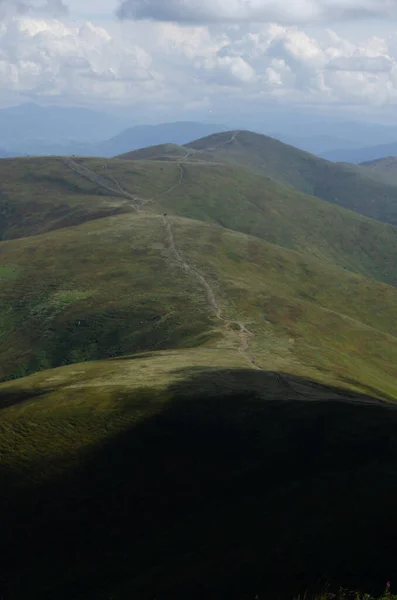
column 14, row 397
column 238, row 487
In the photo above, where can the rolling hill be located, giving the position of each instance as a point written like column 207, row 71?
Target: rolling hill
column 199, row 378
column 344, row 185
column 383, row 169
column 88, row 292
column 82, row 189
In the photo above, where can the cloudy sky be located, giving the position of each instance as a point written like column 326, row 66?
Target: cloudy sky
column 201, row 58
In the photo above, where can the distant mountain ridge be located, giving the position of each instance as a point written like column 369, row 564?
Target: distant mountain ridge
column 27, row 127
column 360, row 155
column 56, row 130
column 36, row 131
column 317, row 144
column 382, row 169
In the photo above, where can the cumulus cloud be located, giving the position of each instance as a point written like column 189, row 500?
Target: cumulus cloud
column 49, row 7
column 365, row 64
column 49, row 58
column 167, row 67
column 297, row 11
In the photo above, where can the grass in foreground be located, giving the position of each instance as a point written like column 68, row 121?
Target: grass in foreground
column 186, row 475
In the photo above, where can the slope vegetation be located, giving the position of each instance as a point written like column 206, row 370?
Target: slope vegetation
column 40, row 194
column 343, row 185
column 186, row 475
column 199, row 394
column 123, row 284
column 383, row 170
column 243, row 201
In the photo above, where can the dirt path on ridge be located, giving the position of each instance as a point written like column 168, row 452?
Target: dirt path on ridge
column 242, row 332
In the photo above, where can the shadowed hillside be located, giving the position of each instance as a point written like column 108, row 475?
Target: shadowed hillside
column 199, row 377
column 151, row 478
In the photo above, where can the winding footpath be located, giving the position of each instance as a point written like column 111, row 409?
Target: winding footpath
column 236, row 328
column 242, row 332
column 103, row 182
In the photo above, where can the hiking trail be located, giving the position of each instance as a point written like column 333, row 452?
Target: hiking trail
column 242, row 333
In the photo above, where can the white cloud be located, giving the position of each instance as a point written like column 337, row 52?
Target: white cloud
column 48, row 7
column 172, row 68
column 296, row 11
column 364, row 64
column 43, row 57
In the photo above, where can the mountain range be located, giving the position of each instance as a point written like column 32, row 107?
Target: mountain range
column 360, row 155
column 30, row 129
column 199, row 372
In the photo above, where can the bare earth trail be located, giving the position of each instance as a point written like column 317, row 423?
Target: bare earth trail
column 236, row 328
column 103, row 182
column 242, row 332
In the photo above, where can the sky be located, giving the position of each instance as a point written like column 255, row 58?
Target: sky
column 207, row 59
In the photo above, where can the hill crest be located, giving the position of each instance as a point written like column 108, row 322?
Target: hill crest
column 347, row 186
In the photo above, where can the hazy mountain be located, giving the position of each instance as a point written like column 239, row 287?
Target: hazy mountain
column 317, row 144
column 128, row 139
column 360, row 155
column 29, row 127
column 4, row 154
column 150, row 135
column 382, row 169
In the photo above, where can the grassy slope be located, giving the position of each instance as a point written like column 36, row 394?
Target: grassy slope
column 112, row 287
column 101, row 289
column 185, row 475
column 340, row 184
column 383, row 169
column 47, row 195
column 161, row 151
column 239, row 200
column 40, row 194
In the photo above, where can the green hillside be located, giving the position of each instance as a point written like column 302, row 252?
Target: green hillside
column 159, row 152
column 240, row 200
column 216, row 193
column 40, row 194
column 186, row 475
column 115, row 286
column 199, row 378
column 344, row 185
column 383, row 170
